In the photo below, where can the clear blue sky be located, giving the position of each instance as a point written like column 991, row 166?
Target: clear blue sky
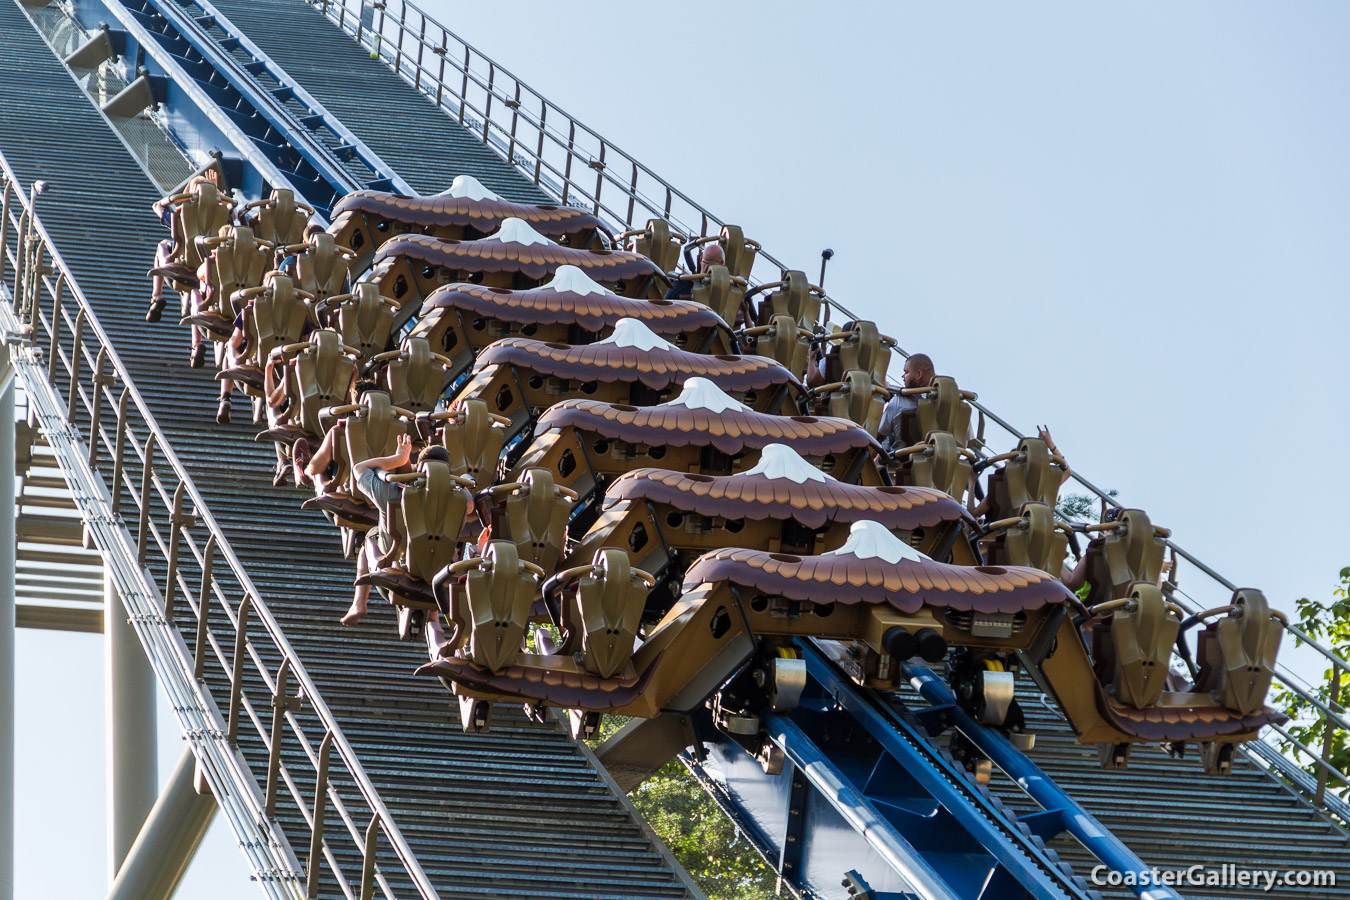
column 1128, row 222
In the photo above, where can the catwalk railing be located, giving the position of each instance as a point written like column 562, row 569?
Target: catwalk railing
column 580, row 167
column 174, row 567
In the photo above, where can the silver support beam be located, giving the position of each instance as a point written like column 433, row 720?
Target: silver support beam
column 129, row 709
column 172, row 833
column 7, row 613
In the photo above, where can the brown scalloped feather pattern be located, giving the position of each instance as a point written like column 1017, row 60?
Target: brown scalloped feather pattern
column 654, row 368
column 1182, row 723
column 730, row 432
column 534, row 260
column 484, row 215
column 591, row 311
column 907, row 585
column 813, row 503
column 530, row 684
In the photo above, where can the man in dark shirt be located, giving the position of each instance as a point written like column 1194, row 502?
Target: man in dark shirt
column 711, row 255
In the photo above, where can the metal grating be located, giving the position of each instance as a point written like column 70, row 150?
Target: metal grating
column 367, row 97
column 144, row 134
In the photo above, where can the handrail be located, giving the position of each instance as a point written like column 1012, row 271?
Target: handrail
column 420, row 50
column 101, row 371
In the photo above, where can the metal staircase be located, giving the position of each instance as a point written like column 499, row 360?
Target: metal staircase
column 299, row 707
column 434, row 812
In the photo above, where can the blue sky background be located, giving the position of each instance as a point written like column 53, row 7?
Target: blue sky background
column 1128, row 222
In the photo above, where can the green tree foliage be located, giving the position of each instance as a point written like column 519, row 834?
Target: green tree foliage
column 703, row 839
column 1079, row 507
column 1329, row 625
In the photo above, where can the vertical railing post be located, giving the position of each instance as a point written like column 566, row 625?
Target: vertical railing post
column 567, row 168
column 120, row 450
column 21, row 267
column 320, row 808
column 237, row 670
column 101, row 381
column 281, row 704
column 368, row 865
column 176, row 522
column 4, row 232
column 487, row 107
column 539, row 150
column 402, row 27
column 464, row 86
column 76, row 346
column 203, row 603
column 632, row 194
column 599, row 167
column 421, row 49
column 515, row 120
column 36, row 269
column 55, row 343
column 440, row 72
column 1333, row 701
column 147, row 472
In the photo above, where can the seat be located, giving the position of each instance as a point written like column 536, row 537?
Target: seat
column 658, row 243
column 276, row 316
column 321, row 266
column 1237, row 653
column 280, row 219
column 739, row 251
column 426, row 534
column 202, row 212
column 941, row 406
column 532, row 514
column 793, row 296
column 939, row 462
column 363, row 318
column 864, row 347
column 487, row 600
column 856, row 397
column 319, row 374
column 1138, row 642
column 1031, row 538
column 372, row 428
column 474, row 439
column 237, row 260
column 1030, row 474
column 718, row 290
column 781, row 339
column 604, row 613
column 414, row 376
column 1130, row 550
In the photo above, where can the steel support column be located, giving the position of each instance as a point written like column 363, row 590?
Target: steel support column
column 165, row 846
column 8, row 513
column 129, row 708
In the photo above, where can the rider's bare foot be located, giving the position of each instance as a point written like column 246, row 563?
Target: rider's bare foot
column 355, row 614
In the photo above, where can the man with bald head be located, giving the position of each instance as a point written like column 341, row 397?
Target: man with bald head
column 711, row 255
column 918, row 373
